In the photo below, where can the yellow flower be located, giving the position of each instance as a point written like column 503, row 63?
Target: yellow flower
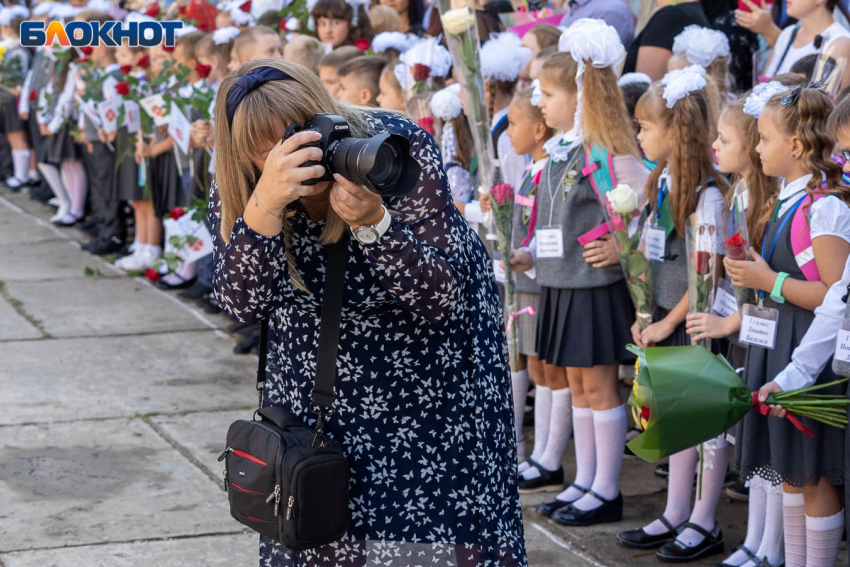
column 2, row 52
column 458, row 21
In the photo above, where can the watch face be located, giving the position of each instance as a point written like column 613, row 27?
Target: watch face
column 366, row 235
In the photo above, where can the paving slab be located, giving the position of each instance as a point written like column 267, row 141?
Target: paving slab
column 101, row 306
column 220, row 551
column 44, row 261
column 13, row 325
column 64, row 379
column 204, row 434
column 89, row 482
column 21, row 229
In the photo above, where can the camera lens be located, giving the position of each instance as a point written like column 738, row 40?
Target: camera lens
column 380, row 163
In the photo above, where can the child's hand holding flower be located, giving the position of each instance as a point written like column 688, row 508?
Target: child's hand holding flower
column 755, row 275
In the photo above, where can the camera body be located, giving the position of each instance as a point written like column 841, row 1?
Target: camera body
column 382, row 163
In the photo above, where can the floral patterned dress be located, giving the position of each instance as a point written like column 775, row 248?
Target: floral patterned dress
column 423, row 405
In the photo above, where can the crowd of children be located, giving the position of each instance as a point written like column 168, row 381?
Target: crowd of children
column 566, row 129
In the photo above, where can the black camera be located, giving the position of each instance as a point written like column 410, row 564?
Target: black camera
column 382, row 163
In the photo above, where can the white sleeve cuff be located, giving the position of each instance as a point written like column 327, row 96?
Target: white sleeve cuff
column 792, row 378
column 472, row 212
column 830, row 217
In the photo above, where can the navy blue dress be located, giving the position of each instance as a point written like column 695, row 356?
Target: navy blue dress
column 424, row 406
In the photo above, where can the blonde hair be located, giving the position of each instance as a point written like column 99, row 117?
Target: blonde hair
column 605, row 119
column 384, row 19
column 305, row 50
column 691, row 161
column 256, row 120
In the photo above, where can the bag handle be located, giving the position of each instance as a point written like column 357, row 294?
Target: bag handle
column 322, row 395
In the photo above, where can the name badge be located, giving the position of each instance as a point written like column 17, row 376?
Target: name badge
column 656, row 244
column 758, row 326
column 550, row 242
column 842, row 344
column 725, row 303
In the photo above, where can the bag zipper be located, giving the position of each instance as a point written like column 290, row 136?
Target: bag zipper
column 241, row 454
column 239, row 488
column 276, row 496
column 290, row 512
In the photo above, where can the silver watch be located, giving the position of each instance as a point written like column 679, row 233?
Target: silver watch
column 370, row 234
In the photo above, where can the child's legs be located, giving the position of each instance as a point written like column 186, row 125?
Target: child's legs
column 601, row 387
column 18, row 140
column 141, row 222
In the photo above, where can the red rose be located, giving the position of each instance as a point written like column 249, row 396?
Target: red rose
column 427, row 124
column 153, row 11
column 152, row 275
column 281, row 25
column 123, row 88
column 203, row 70
column 33, row 95
column 168, row 48
column 182, row 10
column 362, row 44
column 126, row 69
column 701, row 262
column 176, row 213
column 735, row 247
column 421, row 72
column 87, row 50
column 83, row 60
column 246, row 6
column 144, row 61
column 203, row 27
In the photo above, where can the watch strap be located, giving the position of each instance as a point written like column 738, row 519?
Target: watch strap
column 776, row 294
column 381, row 228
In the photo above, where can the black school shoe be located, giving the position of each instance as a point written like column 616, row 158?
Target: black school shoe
column 100, row 247
column 610, row 511
column 551, row 506
column 548, row 480
column 677, row 552
column 639, row 539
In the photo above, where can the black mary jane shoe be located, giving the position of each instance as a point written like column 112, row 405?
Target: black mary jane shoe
column 750, row 557
column 548, row 480
column 551, row 506
column 677, row 552
column 639, row 539
column 610, row 511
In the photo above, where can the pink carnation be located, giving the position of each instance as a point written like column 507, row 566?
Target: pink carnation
column 502, row 193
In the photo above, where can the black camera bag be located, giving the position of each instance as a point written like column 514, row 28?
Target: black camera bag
column 284, row 479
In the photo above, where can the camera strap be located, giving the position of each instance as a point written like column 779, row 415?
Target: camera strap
column 322, row 396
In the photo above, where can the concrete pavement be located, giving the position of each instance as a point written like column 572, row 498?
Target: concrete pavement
column 116, row 398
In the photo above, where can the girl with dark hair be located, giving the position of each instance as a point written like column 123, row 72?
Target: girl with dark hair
column 341, row 22
column 411, row 13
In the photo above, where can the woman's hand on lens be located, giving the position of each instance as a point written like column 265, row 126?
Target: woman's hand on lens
column 601, row 253
column 282, row 180
column 355, row 204
column 521, row 260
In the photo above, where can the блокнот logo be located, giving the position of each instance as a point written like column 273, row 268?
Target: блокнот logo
column 111, row 34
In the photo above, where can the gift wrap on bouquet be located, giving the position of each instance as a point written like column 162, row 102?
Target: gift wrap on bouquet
column 185, row 226
column 684, row 396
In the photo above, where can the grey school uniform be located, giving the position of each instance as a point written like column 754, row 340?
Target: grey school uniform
column 10, row 120
column 770, row 446
column 669, row 284
column 527, row 289
column 586, row 313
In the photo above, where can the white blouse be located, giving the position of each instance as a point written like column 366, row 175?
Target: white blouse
column 828, row 216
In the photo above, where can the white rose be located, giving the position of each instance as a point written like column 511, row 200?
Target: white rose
column 458, row 21
column 623, row 199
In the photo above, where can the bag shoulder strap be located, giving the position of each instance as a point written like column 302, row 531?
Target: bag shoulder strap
column 788, row 47
column 326, row 357
column 801, row 239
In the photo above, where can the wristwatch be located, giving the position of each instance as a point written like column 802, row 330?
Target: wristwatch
column 776, row 294
column 370, row 234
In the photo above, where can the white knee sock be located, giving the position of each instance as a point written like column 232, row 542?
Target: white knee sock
column 584, row 436
column 74, row 175
column 755, row 522
column 560, row 430
column 823, row 536
column 54, row 180
column 20, row 164
column 519, row 385
column 794, row 520
column 712, row 486
column 610, row 427
column 771, row 547
column 542, row 413
column 680, row 484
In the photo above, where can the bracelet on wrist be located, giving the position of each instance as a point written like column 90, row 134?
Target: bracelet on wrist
column 257, row 202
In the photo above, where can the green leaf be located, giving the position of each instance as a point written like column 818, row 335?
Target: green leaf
column 637, row 264
column 638, row 293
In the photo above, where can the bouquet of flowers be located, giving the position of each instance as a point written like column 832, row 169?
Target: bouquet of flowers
column 188, row 239
column 461, row 30
column 621, row 207
column 701, row 242
column 502, row 199
column 417, row 68
column 736, row 247
column 684, row 396
column 11, row 70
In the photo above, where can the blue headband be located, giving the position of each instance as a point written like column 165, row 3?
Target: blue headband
column 250, row 81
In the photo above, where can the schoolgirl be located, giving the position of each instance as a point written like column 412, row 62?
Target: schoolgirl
column 60, row 159
column 674, row 121
column 16, row 65
column 706, row 47
column 806, row 243
column 341, row 22
column 585, row 309
column 735, row 150
column 528, row 133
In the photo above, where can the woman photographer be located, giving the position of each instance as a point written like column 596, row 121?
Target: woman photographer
column 423, row 398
